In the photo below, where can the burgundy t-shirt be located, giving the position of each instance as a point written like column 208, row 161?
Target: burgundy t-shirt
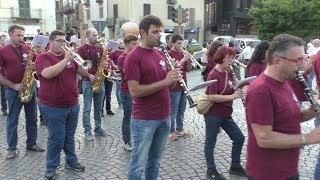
column 13, row 61
column 124, row 83
column 178, row 55
column 316, row 68
column 211, row 63
column 256, row 69
column 298, row 89
column 271, row 102
column 147, row 67
column 114, row 55
column 92, row 53
column 220, row 108
column 60, row 91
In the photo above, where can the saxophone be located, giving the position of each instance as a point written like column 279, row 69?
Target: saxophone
column 101, row 73
column 29, row 81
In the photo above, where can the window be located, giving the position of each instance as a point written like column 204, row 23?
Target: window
column 170, row 12
column 101, row 12
column 192, row 16
column 115, row 11
column 146, row 9
column 24, row 8
column 88, row 14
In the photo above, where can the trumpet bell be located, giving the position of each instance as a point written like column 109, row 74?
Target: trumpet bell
column 87, row 64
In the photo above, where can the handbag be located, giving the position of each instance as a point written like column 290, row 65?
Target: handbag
column 203, row 102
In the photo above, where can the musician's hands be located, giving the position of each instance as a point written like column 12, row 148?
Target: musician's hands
column 69, row 55
column 238, row 94
column 91, row 77
column 17, row 87
column 313, row 137
column 186, row 57
column 173, row 76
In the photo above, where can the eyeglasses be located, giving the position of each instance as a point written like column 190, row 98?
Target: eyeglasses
column 299, row 60
column 60, row 40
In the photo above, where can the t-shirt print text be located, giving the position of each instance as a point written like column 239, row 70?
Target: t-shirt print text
column 163, row 65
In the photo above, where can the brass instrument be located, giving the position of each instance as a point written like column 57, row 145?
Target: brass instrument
column 29, row 80
column 101, row 73
column 86, row 64
column 194, row 62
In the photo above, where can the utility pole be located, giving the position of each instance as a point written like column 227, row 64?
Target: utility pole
column 80, row 9
column 179, row 16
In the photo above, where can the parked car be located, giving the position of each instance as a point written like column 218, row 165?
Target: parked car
column 225, row 39
column 244, row 42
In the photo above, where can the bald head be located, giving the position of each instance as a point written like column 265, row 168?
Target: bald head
column 92, row 36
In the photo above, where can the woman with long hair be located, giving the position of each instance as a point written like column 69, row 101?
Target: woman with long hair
column 210, row 53
column 257, row 64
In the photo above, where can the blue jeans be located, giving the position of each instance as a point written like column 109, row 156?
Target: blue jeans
column 88, row 94
column 119, row 100
column 317, row 168
column 213, row 124
column 3, row 98
column 107, row 97
column 178, row 107
column 127, row 110
column 30, row 110
column 310, row 79
column 61, row 124
column 149, row 142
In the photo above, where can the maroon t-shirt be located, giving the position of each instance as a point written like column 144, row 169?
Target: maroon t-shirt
column 256, row 69
column 298, row 89
column 316, row 67
column 147, row 67
column 220, row 108
column 124, row 83
column 114, row 55
column 271, row 102
column 92, row 53
column 178, row 55
column 13, row 61
column 60, row 91
column 211, row 63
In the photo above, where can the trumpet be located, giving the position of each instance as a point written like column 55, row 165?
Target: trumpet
column 86, row 64
column 194, row 62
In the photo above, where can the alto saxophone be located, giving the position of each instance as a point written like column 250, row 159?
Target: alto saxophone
column 101, row 73
column 29, row 81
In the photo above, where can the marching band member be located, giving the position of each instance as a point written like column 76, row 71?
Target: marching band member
column 214, row 46
column 58, row 101
column 148, row 82
column 130, row 41
column 274, row 132
column 91, row 51
column 219, row 115
column 258, row 62
column 13, row 59
column 177, row 96
column 4, row 105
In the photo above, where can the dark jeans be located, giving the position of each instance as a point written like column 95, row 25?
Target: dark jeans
column 3, row 99
column 289, row 178
column 126, row 100
column 213, row 124
column 107, row 97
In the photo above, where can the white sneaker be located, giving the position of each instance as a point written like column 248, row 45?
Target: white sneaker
column 127, row 147
column 88, row 136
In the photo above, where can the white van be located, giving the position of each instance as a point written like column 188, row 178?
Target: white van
column 226, row 39
column 244, row 42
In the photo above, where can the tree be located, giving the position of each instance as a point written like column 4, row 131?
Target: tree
column 295, row 17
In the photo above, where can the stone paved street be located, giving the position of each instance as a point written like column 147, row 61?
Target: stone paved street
column 105, row 158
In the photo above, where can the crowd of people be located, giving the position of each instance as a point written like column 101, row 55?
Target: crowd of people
column 149, row 77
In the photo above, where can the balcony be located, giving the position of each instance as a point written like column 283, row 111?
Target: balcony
column 99, row 1
column 69, row 9
column 26, row 13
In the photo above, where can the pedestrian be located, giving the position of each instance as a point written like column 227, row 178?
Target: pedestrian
column 148, row 82
column 59, row 103
column 219, row 115
column 13, row 59
column 274, row 132
column 258, row 62
column 214, row 46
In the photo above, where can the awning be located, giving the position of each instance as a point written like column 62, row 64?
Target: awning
column 30, row 30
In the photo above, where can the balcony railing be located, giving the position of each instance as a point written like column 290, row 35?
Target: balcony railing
column 69, row 9
column 99, row 1
column 26, row 13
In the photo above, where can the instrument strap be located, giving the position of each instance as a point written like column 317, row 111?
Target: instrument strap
column 19, row 55
column 93, row 56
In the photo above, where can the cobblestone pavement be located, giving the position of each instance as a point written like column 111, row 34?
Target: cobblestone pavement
column 105, row 158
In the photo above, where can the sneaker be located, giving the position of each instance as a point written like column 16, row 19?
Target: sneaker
column 110, row 112
column 102, row 115
column 127, row 146
column 181, row 133
column 215, row 175
column 75, row 166
column 238, row 170
column 50, row 174
column 100, row 132
column 11, row 154
column 173, row 137
column 35, row 147
column 88, row 136
column 120, row 106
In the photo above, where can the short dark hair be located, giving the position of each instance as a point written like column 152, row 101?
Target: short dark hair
column 129, row 38
column 56, row 33
column 15, row 26
column 175, row 38
column 149, row 20
column 214, row 46
column 168, row 37
column 281, row 44
column 222, row 52
column 204, row 45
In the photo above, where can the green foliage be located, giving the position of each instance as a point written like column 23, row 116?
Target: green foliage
column 191, row 49
column 295, row 17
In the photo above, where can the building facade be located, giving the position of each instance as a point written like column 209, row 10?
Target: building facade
column 32, row 14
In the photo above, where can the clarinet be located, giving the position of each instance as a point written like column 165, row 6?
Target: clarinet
column 313, row 102
column 182, row 82
column 236, row 81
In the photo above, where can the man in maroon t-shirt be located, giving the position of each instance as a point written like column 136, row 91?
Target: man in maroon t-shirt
column 178, row 97
column 148, row 81
column 131, row 41
column 3, row 37
column 13, row 60
column 92, row 51
column 58, row 101
column 274, row 117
